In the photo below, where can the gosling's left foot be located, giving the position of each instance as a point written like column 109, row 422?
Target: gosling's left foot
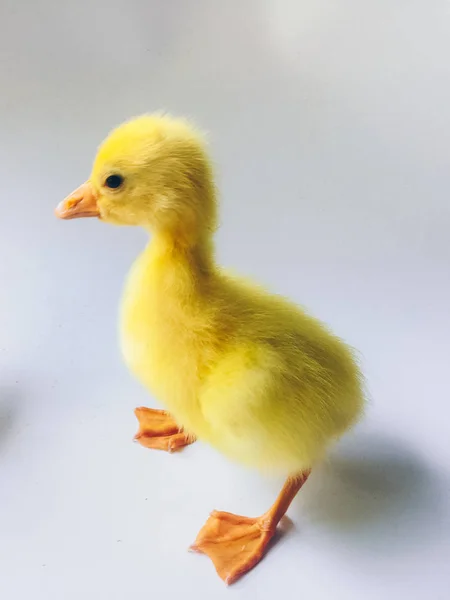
column 159, row 431
column 235, row 544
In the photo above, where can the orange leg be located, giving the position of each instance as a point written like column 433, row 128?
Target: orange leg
column 159, row 431
column 236, row 544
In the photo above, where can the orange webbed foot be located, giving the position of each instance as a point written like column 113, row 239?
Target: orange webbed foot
column 159, row 431
column 235, row 544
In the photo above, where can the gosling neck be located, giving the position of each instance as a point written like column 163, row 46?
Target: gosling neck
column 180, row 263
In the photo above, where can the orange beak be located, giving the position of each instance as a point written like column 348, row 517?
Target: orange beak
column 80, row 203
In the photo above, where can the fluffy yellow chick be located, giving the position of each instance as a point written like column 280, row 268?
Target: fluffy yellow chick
column 244, row 370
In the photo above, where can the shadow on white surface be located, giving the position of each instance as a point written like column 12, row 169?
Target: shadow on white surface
column 9, row 400
column 376, row 493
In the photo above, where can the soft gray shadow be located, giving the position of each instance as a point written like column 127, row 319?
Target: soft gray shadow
column 375, row 490
column 9, row 401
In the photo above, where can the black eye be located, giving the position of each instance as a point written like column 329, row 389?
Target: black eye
column 114, row 181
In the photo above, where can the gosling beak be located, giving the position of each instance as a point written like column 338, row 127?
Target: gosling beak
column 82, row 202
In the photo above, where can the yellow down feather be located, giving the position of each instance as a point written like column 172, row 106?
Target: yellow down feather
column 248, row 372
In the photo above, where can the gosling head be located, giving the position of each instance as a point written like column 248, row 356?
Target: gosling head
column 152, row 171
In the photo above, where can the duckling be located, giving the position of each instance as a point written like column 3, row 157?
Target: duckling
column 246, row 371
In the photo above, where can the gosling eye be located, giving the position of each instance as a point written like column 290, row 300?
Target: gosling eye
column 114, row 181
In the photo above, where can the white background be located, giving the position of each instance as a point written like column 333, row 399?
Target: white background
column 329, row 123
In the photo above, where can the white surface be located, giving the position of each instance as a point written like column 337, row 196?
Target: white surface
column 330, row 125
